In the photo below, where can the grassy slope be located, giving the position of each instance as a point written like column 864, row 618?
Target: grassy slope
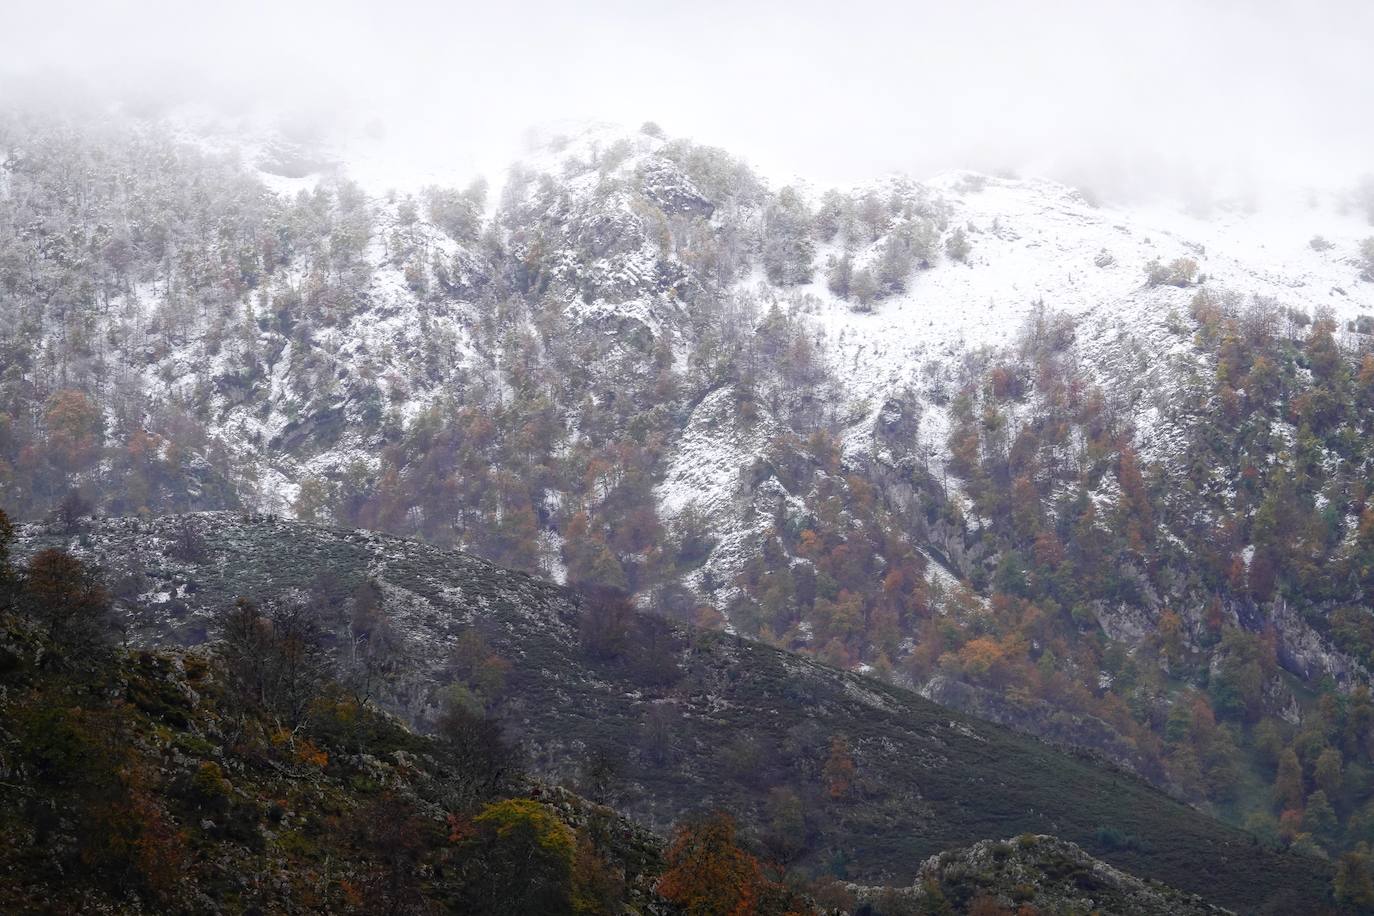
column 927, row 778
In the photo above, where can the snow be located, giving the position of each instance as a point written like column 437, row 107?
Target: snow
column 1036, row 241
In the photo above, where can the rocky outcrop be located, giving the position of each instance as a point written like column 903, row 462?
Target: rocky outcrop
column 1043, row 874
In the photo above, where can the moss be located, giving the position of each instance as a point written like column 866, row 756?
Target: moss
column 296, row 845
column 193, row 745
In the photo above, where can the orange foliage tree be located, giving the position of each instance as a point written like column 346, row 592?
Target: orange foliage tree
column 75, row 427
column 708, row 874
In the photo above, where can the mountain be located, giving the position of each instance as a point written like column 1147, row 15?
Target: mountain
column 834, row 771
column 1096, row 472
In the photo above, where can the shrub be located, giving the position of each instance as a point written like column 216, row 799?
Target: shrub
column 1178, row 272
column 210, row 784
column 957, row 246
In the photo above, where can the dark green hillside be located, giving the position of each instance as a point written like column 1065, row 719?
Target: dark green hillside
column 835, row 772
column 138, row 781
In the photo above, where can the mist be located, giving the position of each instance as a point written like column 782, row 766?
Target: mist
column 1175, row 98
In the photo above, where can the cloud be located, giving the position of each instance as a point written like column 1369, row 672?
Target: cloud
column 1171, row 94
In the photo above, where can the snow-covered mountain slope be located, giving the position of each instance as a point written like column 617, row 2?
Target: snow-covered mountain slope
column 640, row 363
column 1038, row 243
column 1034, row 244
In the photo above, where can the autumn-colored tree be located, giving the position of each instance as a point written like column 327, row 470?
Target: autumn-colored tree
column 604, row 624
column 393, row 835
column 597, row 888
column 987, row 905
column 7, row 576
column 1135, row 503
column 1290, row 824
column 1169, row 636
column 75, row 426
column 984, row 660
column 64, row 593
column 708, row 874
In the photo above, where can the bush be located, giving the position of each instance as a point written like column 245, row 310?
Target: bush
column 1179, row 272
column 957, row 246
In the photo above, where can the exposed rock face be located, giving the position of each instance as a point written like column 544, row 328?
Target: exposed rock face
column 1305, row 652
column 673, row 191
column 1043, row 872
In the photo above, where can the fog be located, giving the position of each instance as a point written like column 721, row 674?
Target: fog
column 1126, row 98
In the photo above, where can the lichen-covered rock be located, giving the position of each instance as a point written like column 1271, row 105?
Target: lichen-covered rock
column 1042, row 873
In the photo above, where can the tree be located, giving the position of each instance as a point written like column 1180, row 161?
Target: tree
column 66, row 595
column 373, row 647
column 314, row 500
column 299, row 662
column 69, row 512
column 1288, row 790
column 75, row 426
column 657, row 733
column 7, row 576
column 787, row 246
column 604, row 625
column 841, row 276
column 1327, row 773
column 1354, row 881
column 522, row 860
column 1319, row 818
column 957, row 246
column 863, row 288
column 457, row 214
column 1178, row 272
column 895, row 263
column 707, row 874
column 275, row 660
column 481, row 758
column 838, row 769
column 393, row 835
column 245, row 643
column 786, row 837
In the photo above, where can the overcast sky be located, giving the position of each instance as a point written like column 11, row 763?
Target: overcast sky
column 1115, row 93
